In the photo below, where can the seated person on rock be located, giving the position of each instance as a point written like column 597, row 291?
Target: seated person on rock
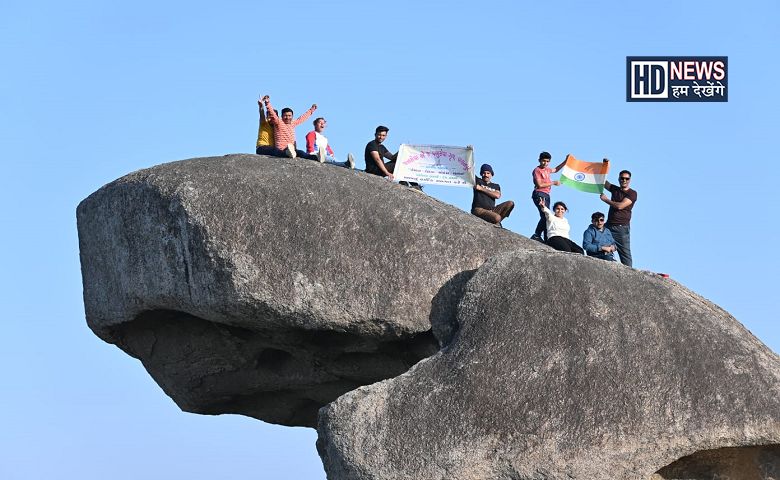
column 376, row 152
column 265, row 133
column 317, row 144
column 485, row 195
column 558, row 228
column 597, row 239
column 284, row 130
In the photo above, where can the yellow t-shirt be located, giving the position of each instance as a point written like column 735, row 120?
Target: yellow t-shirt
column 265, row 134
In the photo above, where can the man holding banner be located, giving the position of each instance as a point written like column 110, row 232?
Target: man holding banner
column 375, row 152
column 485, row 195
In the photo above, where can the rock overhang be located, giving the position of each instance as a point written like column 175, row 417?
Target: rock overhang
column 285, row 251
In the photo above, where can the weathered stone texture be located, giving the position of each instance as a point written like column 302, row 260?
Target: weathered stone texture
column 564, row 367
column 269, row 286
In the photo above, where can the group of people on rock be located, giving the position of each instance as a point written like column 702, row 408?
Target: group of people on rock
column 601, row 239
column 276, row 137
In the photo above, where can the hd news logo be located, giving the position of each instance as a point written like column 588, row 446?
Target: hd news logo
column 677, row 79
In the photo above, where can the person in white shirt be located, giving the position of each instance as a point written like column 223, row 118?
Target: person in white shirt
column 317, row 144
column 558, row 228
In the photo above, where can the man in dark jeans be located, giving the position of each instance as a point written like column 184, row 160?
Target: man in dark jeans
column 619, row 217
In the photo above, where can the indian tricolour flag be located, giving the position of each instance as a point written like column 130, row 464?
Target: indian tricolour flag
column 585, row 176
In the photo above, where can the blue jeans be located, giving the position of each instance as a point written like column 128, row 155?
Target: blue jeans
column 603, row 256
column 541, row 227
column 265, row 150
column 275, row 152
column 333, row 161
column 622, row 236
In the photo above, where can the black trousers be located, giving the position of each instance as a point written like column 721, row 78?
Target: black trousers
column 564, row 245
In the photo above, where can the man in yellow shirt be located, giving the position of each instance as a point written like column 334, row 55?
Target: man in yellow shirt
column 265, row 133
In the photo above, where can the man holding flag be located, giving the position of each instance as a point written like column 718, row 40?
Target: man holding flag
column 619, row 216
column 542, row 185
column 592, row 177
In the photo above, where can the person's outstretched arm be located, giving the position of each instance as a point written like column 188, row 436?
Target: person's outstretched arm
column 272, row 117
column 305, row 115
column 544, row 208
column 262, row 113
column 559, row 167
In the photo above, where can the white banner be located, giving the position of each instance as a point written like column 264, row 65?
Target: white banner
column 435, row 164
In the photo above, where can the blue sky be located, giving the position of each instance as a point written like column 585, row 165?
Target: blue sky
column 90, row 91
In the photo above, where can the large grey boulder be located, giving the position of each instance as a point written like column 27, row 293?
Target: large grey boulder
column 268, row 286
column 567, row 367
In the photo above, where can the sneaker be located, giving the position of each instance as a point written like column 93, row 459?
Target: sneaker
column 536, row 237
column 290, row 151
column 350, row 161
column 498, row 225
column 321, row 155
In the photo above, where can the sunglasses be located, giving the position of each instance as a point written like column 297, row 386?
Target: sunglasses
column 624, row 178
column 598, row 219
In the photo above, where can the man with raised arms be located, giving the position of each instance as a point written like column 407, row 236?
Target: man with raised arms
column 284, row 130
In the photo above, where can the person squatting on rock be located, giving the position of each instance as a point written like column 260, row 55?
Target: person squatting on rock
column 374, row 154
column 284, row 130
column 558, row 228
column 317, row 145
column 485, row 195
column 619, row 216
column 542, row 186
column 597, row 240
column 265, row 133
